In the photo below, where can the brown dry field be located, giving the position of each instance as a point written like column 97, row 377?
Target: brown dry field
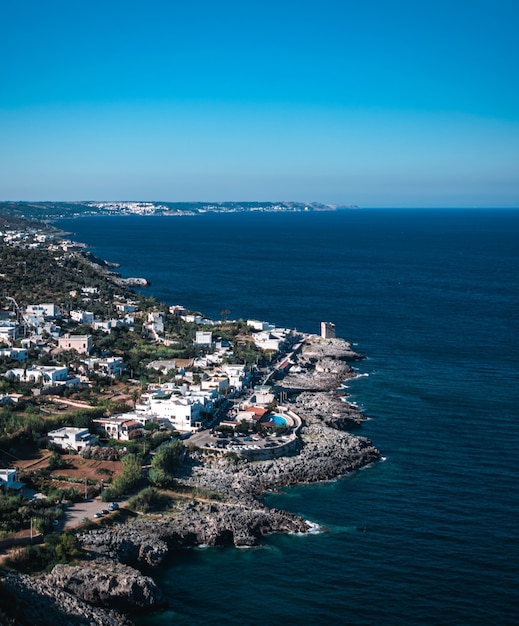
column 77, row 467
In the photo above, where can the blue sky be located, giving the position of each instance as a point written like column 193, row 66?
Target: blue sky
column 376, row 103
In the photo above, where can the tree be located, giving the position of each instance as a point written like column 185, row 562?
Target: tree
column 224, row 429
column 242, row 427
column 168, row 456
column 56, row 461
column 164, row 464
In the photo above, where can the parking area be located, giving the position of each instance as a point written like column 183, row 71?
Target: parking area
column 75, row 513
column 236, row 442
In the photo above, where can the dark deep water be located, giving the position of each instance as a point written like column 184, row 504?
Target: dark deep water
column 431, row 297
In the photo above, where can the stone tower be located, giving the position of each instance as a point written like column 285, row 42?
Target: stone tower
column 328, row 330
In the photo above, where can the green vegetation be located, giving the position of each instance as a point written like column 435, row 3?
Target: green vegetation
column 16, row 514
column 164, row 464
column 76, row 280
column 33, row 275
column 62, row 548
column 130, row 478
column 149, row 499
column 56, row 461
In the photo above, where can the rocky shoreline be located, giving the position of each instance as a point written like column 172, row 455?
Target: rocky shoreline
column 233, row 516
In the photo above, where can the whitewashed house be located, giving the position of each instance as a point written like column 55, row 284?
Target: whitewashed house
column 124, row 307
column 269, row 340
column 82, row 317
column 46, row 374
column 237, row 375
column 260, row 326
column 72, row 438
column 123, row 427
column 183, row 411
column 156, row 321
column 8, row 480
column 15, row 354
column 110, row 366
column 204, row 338
column 45, row 310
column 8, row 332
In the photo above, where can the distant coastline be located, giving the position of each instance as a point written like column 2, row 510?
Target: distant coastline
column 48, row 211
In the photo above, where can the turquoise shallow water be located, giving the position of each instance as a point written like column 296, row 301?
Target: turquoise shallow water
column 431, row 297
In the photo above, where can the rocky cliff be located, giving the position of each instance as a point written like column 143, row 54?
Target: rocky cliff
column 233, row 516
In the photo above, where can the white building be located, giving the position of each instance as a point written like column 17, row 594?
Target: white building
column 46, row 310
column 156, row 321
column 270, row 340
column 237, row 375
column 124, row 307
column 183, row 411
column 124, row 426
column 16, row 354
column 257, row 325
column 72, row 438
column 8, row 332
column 110, row 366
column 204, row 338
column 218, row 383
column 46, row 374
column 82, row 317
column 8, row 480
column 106, row 325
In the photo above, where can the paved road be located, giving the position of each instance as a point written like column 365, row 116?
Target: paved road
column 74, row 513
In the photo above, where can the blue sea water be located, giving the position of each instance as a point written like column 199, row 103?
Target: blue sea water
column 430, row 534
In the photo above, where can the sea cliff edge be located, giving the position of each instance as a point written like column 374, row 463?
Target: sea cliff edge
column 109, row 585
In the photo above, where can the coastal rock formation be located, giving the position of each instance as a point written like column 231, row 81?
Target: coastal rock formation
column 133, row 282
column 228, row 515
column 335, row 348
column 30, row 600
column 327, row 453
column 107, row 584
column 321, row 365
column 191, row 523
column 328, row 408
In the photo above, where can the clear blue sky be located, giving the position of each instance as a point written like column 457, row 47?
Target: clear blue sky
column 370, row 102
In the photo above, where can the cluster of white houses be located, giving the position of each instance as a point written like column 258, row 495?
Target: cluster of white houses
column 182, row 405
column 181, row 408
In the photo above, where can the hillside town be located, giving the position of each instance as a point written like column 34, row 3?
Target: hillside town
column 113, row 405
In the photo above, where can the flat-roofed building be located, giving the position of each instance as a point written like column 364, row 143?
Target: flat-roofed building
column 80, row 343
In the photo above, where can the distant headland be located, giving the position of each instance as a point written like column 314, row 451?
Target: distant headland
column 56, row 210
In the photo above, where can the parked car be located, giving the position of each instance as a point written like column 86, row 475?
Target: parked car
column 113, row 506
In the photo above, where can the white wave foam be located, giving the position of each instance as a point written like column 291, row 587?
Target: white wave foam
column 314, row 528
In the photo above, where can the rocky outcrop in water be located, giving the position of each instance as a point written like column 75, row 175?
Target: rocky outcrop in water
column 231, row 516
column 107, row 584
column 30, row 601
column 191, row 523
column 321, row 365
column 329, row 408
column 326, row 453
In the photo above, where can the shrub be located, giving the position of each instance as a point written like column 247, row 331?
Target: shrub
column 149, row 499
column 56, row 461
column 56, row 549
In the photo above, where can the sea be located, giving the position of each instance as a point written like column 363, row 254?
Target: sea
column 428, row 535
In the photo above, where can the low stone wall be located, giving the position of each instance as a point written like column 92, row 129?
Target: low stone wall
column 283, row 448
